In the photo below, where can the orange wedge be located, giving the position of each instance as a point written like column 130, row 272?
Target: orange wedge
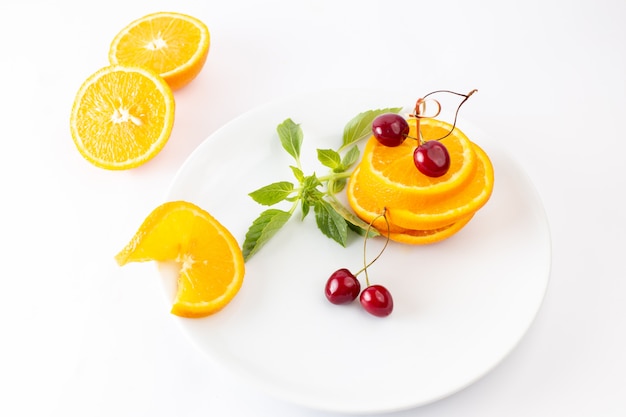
column 174, row 45
column 395, row 166
column 210, row 259
column 122, row 117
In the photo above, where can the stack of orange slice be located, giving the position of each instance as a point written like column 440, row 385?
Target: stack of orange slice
column 420, row 209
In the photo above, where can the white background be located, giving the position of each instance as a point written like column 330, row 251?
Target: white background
column 83, row 337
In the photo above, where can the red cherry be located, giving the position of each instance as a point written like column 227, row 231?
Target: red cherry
column 342, row 287
column 377, row 300
column 432, row 158
column 390, row 129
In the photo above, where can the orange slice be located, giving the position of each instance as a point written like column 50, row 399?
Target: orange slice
column 210, row 259
column 395, row 166
column 174, row 45
column 425, row 237
column 368, row 200
column 122, row 117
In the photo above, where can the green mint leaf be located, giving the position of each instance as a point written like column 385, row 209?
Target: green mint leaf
column 331, row 223
column 262, row 230
column 310, row 183
column 329, row 158
column 354, row 222
column 336, row 186
column 309, row 195
column 305, row 207
column 361, row 232
column 350, row 157
column 273, row 193
column 290, row 135
column 360, row 125
column 297, row 172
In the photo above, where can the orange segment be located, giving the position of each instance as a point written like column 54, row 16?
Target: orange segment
column 174, row 45
column 122, row 117
column 210, row 259
column 395, row 165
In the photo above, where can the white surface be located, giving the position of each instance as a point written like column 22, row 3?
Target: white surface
column 459, row 306
column 84, row 337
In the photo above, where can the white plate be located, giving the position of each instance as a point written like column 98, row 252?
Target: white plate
column 460, row 305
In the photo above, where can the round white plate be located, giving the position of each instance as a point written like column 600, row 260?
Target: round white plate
column 460, row 305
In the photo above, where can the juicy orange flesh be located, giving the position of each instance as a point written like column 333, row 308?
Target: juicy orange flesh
column 193, row 287
column 176, row 234
column 160, row 43
column 118, row 116
column 210, row 259
column 368, row 207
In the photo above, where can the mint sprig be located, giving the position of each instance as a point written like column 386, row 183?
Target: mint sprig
column 333, row 219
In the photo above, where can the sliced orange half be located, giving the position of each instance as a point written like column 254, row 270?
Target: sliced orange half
column 396, row 168
column 210, row 259
column 174, row 45
column 122, row 117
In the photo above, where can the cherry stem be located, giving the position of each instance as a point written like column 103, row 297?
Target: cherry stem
column 367, row 232
column 418, row 105
column 418, row 115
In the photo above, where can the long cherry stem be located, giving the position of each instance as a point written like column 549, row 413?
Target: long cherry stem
column 418, row 116
column 367, row 232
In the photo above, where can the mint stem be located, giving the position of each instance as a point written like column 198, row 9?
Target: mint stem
column 335, row 176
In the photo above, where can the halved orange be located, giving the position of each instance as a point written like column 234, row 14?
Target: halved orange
column 122, row 117
column 174, row 45
column 396, row 168
column 210, row 259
